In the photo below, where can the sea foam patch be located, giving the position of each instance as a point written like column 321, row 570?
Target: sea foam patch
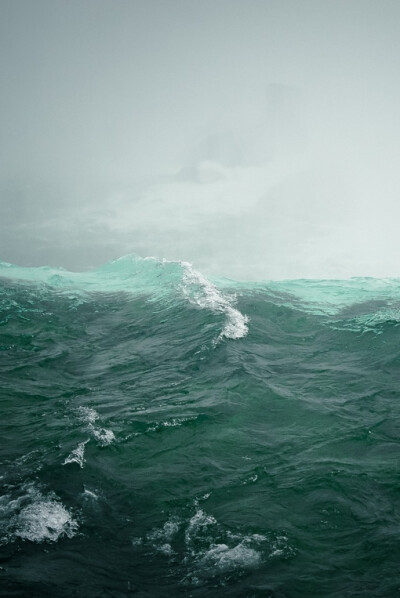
column 206, row 549
column 103, row 436
column 89, row 416
column 223, row 558
column 34, row 516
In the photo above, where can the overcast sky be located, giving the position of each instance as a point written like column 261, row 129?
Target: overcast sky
column 257, row 138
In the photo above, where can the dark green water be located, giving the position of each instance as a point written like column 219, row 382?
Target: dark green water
column 155, row 443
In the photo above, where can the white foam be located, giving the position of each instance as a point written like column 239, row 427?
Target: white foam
column 88, row 494
column 45, row 520
column 102, row 435
column 88, row 415
column 171, row 423
column 77, row 455
column 37, row 518
column 161, row 538
column 166, row 549
column 201, row 292
column 281, row 548
column 250, row 480
column 209, row 549
column 167, row 532
column 197, row 524
column 212, row 550
column 224, row 558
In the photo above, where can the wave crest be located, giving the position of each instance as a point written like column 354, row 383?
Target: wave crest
column 158, row 279
column 201, row 292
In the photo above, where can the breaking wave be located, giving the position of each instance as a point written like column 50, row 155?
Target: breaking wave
column 158, row 279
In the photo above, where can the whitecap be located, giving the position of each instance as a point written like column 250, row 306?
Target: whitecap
column 280, row 547
column 35, row 517
column 198, row 524
column 202, row 293
column 250, row 480
column 166, row 549
column 88, row 415
column 222, row 557
column 161, row 538
column 77, row 455
column 102, row 435
column 89, row 494
column 167, row 532
column 209, row 549
column 45, row 520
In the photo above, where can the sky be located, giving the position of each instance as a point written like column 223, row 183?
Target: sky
column 257, row 139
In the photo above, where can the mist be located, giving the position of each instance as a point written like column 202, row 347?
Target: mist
column 257, row 139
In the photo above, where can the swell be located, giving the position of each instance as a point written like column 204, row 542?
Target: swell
column 360, row 305
column 159, row 280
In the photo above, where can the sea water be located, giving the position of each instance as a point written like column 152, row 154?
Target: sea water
column 163, row 434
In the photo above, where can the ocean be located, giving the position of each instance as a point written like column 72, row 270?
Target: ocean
column 165, row 434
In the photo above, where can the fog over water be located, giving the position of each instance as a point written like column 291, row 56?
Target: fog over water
column 255, row 138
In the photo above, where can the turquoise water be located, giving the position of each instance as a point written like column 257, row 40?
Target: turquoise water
column 168, row 435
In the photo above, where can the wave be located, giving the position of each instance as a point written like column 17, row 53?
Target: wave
column 358, row 304
column 158, row 279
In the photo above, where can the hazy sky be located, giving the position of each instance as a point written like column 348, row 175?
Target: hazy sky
column 257, row 138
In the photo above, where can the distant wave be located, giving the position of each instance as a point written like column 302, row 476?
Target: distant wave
column 158, row 278
column 172, row 281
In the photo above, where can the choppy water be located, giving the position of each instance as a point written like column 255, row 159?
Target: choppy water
column 164, row 435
